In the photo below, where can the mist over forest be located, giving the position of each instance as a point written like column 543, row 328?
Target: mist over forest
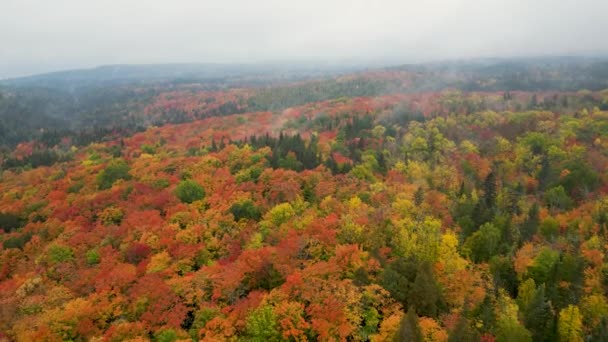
column 311, row 171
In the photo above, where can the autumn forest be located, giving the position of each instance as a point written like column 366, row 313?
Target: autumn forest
column 463, row 201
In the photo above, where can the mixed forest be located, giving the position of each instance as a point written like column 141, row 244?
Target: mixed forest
column 448, row 202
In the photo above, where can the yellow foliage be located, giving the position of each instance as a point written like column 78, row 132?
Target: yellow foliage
column 388, row 328
column 419, row 239
column 448, row 254
column 159, row 262
column 431, row 330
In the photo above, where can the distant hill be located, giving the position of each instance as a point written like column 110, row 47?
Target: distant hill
column 52, row 105
column 149, row 73
column 530, row 74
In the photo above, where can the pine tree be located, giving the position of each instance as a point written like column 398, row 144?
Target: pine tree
column 409, row 329
column 538, row 317
column 530, row 225
column 425, row 293
column 463, row 332
column 419, row 196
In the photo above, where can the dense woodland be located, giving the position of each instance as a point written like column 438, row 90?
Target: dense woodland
column 419, row 203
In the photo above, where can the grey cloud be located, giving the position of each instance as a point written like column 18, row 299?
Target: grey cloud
column 43, row 35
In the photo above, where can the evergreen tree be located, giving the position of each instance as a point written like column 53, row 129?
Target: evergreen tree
column 409, row 329
column 601, row 332
column 485, row 209
column 530, row 225
column 425, row 293
column 538, row 317
column 419, row 196
column 463, row 332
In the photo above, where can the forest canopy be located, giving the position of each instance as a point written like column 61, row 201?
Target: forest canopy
column 449, row 202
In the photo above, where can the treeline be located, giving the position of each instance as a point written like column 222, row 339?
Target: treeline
column 28, row 113
column 277, row 98
column 288, row 151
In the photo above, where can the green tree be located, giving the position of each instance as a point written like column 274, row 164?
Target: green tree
column 419, row 196
column 262, row 325
column 58, row 254
column 412, row 283
column 398, row 277
column 425, row 294
column 245, row 210
column 549, row 228
column 166, row 335
column 542, row 270
column 409, row 329
column 93, row 257
column 557, row 198
column 189, row 191
column 538, row 316
column 463, row 332
column 116, row 169
column 509, row 330
column 530, row 225
column 484, row 243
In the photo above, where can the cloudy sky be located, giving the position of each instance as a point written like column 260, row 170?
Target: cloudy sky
column 42, row 35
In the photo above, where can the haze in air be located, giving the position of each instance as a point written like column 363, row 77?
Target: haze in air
column 247, row 171
column 42, row 36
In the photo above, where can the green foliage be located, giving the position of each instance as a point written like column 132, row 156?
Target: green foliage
column 412, row 284
column 371, row 318
column 18, row 241
column 161, row 183
column 463, row 332
column 530, row 225
column 148, row 149
column 511, row 331
column 557, row 198
column 262, row 325
column 58, row 254
column 245, row 210
column 580, row 179
column 419, row 196
column 189, row 191
column 484, row 243
column 538, row 316
column 549, row 228
column 116, row 169
column 167, row 335
column 93, row 257
column 201, row 317
column 504, row 274
column 76, row 187
column 409, row 328
column 10, row 222
column 544, row 264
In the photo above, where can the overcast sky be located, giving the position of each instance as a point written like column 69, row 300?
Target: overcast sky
column 43, row 35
